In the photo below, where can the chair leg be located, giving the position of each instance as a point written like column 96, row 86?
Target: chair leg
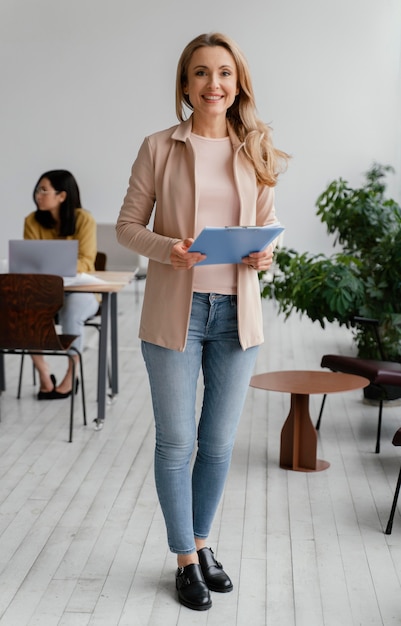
column 72, row 397
column 81, row 370
column 379, row 427
column 379, row 422
column 389, row 526
column 20, row 375
column 321, row 412
column 21, row 369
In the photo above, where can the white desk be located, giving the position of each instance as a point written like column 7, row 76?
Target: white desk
column 113, row 283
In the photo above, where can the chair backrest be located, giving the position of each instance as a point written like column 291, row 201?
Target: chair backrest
column 28, row 305
column 100, row 262
column 372, row 325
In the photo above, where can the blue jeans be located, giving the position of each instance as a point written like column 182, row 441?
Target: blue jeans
column 77, row 308
column 189, row 501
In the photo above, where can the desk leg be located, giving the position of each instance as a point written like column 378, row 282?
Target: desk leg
column 114, row 343
column 299, row 438
column 102, row 366
column 2, row 374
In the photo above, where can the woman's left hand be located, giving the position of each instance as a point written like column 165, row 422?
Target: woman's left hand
column 260, row 261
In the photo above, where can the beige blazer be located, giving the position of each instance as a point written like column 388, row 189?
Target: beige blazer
column 163, row 176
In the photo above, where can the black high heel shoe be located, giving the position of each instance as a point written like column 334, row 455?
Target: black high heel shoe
column 42, row 395
column 57, row 395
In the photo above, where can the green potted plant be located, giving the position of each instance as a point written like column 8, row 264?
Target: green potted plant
column 363, row 279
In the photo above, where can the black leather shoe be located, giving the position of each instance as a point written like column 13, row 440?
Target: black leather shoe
column 192, row 589
column 213, row 573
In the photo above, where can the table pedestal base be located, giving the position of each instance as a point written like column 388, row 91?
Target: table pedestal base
column 299, row 438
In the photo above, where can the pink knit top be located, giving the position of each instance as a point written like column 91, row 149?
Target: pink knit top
column 218, row 205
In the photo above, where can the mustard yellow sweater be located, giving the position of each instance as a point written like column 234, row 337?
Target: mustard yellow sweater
column 85, row 233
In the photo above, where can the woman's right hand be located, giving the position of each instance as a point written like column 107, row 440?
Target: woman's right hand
column 181, row 259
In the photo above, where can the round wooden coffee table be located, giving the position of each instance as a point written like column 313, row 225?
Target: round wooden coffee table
column 298, row 435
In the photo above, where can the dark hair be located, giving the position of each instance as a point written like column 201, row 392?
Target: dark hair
column 61, row 180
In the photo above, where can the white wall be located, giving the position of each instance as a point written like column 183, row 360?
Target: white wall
column 82, row 82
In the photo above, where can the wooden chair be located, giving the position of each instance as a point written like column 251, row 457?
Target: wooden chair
column 389, row 527
column 383, row 375
column 28, row 306
column 100, row 266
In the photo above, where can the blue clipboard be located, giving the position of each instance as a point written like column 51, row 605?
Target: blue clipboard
column 229, row 244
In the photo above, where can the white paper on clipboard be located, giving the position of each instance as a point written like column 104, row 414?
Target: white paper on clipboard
column 229, row 244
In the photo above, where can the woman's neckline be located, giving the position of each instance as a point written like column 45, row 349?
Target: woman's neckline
column 210, row 138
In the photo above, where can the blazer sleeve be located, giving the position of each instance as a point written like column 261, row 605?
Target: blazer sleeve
column 135, row 214
column 265, row 209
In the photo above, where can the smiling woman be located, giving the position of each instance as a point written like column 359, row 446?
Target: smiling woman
column 217, row 168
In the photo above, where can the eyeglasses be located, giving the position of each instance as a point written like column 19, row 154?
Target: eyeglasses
column 44, row 191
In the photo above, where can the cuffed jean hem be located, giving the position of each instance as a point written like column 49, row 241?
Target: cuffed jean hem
column 174, row 551
column 190, row 551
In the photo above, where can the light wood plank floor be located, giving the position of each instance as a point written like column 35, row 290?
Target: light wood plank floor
column 82, row 540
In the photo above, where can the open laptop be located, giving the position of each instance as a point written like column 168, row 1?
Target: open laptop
column 43, row 256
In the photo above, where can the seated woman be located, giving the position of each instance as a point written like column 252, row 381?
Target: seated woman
column 59, row 215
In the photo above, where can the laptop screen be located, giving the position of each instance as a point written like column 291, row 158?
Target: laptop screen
column 43, row 256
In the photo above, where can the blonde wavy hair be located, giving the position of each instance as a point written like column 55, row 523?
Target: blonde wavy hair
column 256, row 136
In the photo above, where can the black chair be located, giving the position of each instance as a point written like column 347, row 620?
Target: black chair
column 389, row 527
column 100, row 261
column 100, row 266
column 95, row 321
column 383, row 375
column 28, row 307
